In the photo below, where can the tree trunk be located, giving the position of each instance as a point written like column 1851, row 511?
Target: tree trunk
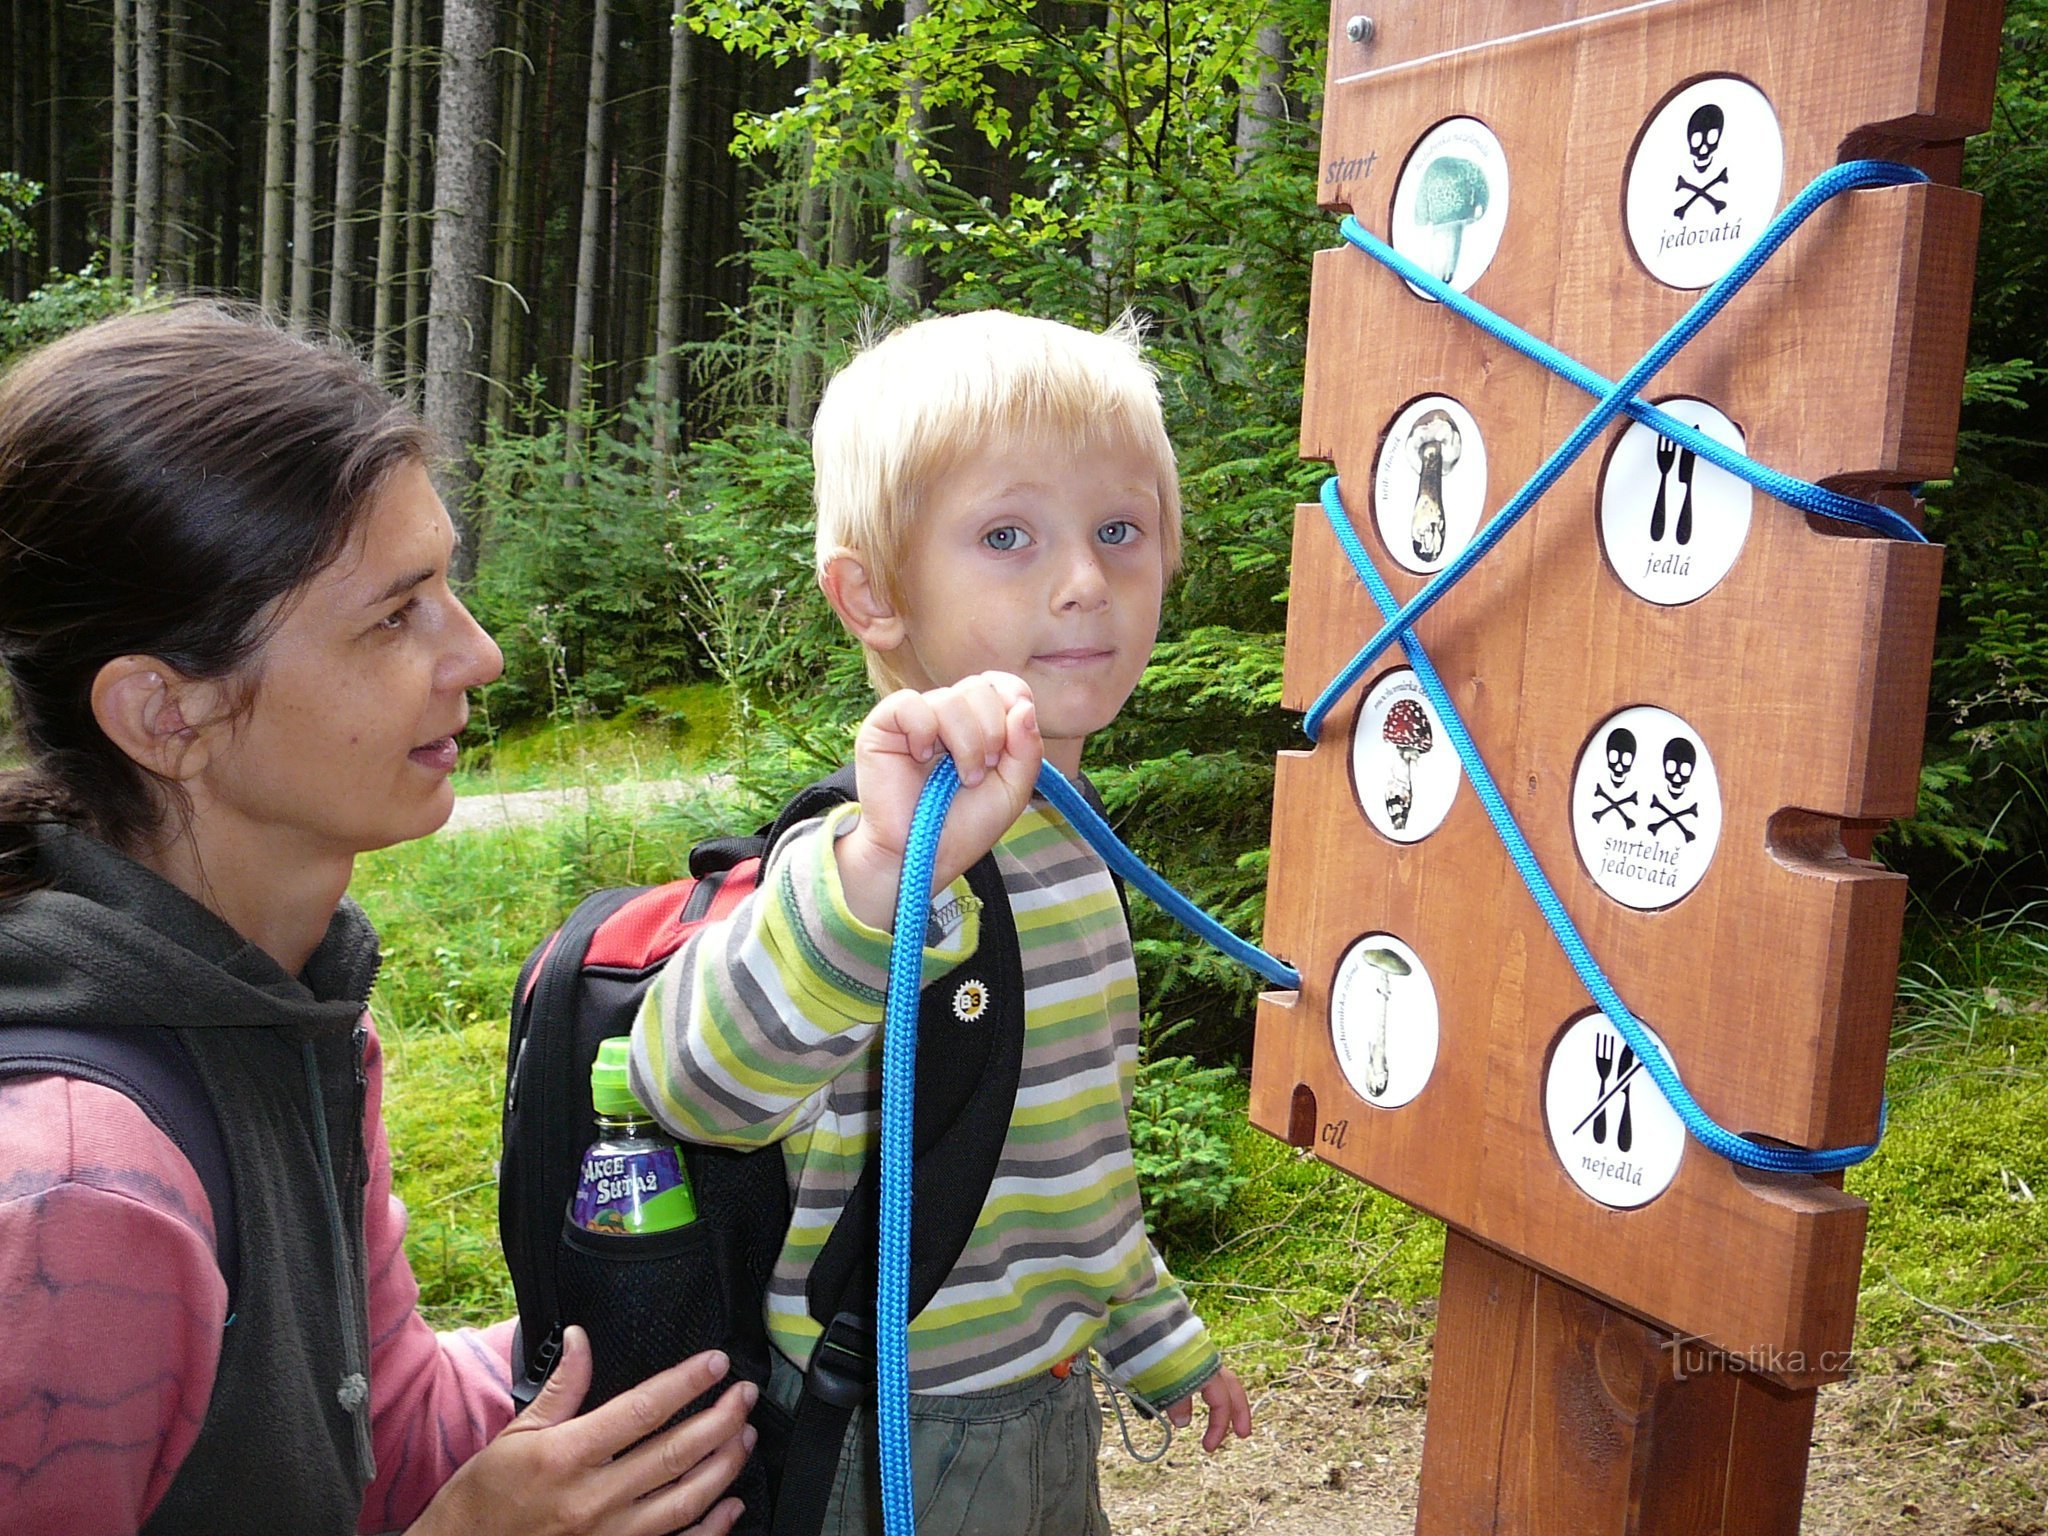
column 18, row 159
column 906, row 266
column 801, row 382
column 1261, row 105
column 668, row 301
column 53, row 194
column 273, row 155
column 415, row 209
column 543, row 326
column 149, row 139
column 124, row 72
column 586, row 250
column 177, row 216
column 305, row 122
column 348, row 153
column 462, row 228
column 387, row 198
column 511, row 178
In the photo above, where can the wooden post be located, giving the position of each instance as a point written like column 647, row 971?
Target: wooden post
column 1698, row 703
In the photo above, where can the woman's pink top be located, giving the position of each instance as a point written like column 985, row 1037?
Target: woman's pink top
column 111, row 1310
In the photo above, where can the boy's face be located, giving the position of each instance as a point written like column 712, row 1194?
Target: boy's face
column 1043, row 560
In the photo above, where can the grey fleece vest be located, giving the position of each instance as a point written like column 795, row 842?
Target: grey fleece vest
column 285, row 1443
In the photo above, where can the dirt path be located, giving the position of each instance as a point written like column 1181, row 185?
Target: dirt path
column 1906, row 1445
column 491, row 811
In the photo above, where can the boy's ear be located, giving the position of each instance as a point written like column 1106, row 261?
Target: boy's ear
column 859, row 603
column 156, row 715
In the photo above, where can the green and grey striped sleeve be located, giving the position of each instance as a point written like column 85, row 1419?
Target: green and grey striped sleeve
column 758, row 1012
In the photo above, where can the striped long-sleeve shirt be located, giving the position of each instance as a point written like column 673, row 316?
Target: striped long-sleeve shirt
column 765, row 1028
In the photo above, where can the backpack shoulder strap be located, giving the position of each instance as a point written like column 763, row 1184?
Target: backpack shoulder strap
column 968, row 1065
column 811, row 801
column 152, row 1068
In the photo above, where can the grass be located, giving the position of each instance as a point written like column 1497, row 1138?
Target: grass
column 457, row 915
column 675, row 732
column 1956, row 1273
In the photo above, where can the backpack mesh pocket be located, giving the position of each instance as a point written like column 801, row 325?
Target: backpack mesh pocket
column 649, row 1300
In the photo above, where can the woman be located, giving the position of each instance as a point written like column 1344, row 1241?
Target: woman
column 236, row 663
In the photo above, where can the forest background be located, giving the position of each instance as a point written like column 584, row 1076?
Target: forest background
column 613, row 250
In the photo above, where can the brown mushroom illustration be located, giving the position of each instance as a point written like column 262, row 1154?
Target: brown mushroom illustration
column 1434, row 447
column 1407, row 731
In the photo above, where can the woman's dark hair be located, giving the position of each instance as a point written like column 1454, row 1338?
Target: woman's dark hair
column 165, row 478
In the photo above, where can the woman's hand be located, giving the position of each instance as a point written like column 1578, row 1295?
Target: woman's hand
column 550, row 1473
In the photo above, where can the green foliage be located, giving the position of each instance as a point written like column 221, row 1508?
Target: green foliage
column 1982, row 813
column 66, row 302
column 17, row 195
column 1181, row 1114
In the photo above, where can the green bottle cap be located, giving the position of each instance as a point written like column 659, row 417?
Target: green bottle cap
column 609, row 1095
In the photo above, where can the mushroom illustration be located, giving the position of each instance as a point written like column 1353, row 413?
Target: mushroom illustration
column 1377, row 1073
column 1407, row 731
column 1434, row 447
column 1453, row 194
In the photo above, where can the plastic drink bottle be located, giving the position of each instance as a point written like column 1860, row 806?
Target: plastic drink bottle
column 633, row 1177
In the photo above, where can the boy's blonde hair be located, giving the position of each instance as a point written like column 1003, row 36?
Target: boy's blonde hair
column 910, row 406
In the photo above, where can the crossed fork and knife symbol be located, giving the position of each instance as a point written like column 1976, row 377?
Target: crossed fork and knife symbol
column 1623, row 1067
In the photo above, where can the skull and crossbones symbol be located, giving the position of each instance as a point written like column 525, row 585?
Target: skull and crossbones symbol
column 1702, row 141
column 1621, row 757
column 1681, row 758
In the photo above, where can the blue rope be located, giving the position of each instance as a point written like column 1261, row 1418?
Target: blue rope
column 1096, row 832
column 1614, row 401
column 1801, row 495
column 1708, row 1132
column 899, row 1075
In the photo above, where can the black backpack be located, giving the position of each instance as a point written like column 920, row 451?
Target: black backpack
column 151, row 1067
column 649, row 1301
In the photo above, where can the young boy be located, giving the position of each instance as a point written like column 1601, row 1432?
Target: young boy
column 998, row 513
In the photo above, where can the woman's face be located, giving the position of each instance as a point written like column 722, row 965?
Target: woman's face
column 349, row 739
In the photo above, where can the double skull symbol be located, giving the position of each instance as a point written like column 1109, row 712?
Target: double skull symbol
column 1681, row 760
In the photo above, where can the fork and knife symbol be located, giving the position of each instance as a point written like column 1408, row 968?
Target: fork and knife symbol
column 1668, row 454
column 1623, row 1068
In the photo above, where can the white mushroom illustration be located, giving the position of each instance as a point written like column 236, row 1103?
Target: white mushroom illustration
column 1453, row 194
column 1377, row 1073
column 1434, row 447
column 1407, row 731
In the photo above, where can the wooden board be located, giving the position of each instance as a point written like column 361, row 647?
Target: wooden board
column 1805, row 670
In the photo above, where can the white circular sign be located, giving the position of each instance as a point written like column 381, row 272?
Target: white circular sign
column 1451, row 202
column 1383, row 1020
column 1403, row 771
column 1646, row 807
column 1672, row 525
column 1616, row 1134
column 1429, row 487
column 1704, row 180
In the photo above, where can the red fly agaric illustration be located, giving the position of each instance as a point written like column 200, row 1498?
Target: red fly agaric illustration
column 1453, row 194
column 1434, row 447
column 1407, row 731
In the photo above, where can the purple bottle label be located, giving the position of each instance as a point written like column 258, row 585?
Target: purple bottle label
column 639, row 1190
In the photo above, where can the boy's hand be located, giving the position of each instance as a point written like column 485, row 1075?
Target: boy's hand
column 1229, row 1409
column 989, row 725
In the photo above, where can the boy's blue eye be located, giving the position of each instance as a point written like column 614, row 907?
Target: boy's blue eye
column 1118, row 532
column 1006, row 538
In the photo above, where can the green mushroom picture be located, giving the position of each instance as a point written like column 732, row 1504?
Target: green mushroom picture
column 1453, row 195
